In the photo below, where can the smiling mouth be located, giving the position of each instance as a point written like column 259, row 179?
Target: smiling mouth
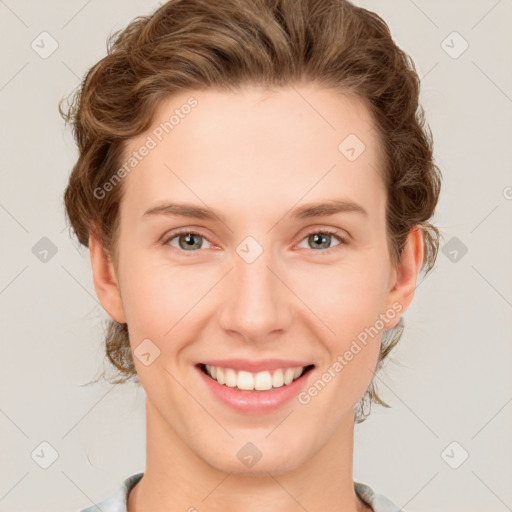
column 260, row 381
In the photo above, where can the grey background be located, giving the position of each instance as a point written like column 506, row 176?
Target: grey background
column 452, row 379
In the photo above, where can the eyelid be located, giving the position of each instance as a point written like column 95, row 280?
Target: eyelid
column 328, row 230
column 180, row 231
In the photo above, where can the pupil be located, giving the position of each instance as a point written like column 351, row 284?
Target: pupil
column 189, row 240
column 318, row 238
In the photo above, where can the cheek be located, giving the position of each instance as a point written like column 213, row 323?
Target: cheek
column 160, row 299
column 346, row 303
column 345, row 298
column 348, row 307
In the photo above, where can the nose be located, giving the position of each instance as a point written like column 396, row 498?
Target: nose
column 257, row 305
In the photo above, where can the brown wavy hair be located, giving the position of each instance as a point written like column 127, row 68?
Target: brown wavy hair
column 190, row 45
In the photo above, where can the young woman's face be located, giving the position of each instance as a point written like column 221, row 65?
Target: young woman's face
column 259, row 287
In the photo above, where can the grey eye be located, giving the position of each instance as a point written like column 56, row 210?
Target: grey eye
column 321, row 240
column 187, row 240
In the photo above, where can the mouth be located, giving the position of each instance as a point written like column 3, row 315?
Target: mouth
column 255, row 381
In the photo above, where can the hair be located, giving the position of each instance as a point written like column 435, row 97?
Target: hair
column 188, row 45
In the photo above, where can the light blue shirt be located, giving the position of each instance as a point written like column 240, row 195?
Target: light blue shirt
column 117, row 501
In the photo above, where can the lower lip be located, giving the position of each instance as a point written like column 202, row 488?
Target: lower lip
column 256, row 401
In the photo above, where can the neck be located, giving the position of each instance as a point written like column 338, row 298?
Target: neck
column 177, row 479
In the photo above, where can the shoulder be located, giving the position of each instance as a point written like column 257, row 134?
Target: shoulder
column 378, row 502
column 117, row 500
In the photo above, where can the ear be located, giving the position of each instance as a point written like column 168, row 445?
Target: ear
column 105, row 280
column 404, row 277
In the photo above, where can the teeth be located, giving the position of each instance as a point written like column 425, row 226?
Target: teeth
column 277, row 379
column 261, row 381
column 230, row 378
column 288, row 375
column 220, row 376
column 245, row 380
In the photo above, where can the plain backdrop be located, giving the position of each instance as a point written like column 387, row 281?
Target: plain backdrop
column 445, row 443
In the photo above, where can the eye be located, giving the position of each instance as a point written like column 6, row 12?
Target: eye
column 187, row 240
column 322, row 237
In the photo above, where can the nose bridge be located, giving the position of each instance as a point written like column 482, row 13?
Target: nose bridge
column 256, row 301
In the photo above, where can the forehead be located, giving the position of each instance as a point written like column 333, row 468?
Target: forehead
column 257, row 145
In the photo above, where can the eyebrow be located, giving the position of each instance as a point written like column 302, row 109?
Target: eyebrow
column 332, row 207
column 318, row 209
column 185, row 210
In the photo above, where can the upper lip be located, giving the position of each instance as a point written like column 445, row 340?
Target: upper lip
column 256, row 366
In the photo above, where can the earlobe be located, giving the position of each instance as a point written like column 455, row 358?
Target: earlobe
column 407, row 270
column 105, row 280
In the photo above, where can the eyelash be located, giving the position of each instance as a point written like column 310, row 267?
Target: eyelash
column 323, row 231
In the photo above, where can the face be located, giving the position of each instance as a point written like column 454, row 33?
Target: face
column 267, row 281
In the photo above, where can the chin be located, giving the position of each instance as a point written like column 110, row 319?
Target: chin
column 244, row 458
column 274, row 467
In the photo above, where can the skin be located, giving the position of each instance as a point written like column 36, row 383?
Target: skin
column 254, row 155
